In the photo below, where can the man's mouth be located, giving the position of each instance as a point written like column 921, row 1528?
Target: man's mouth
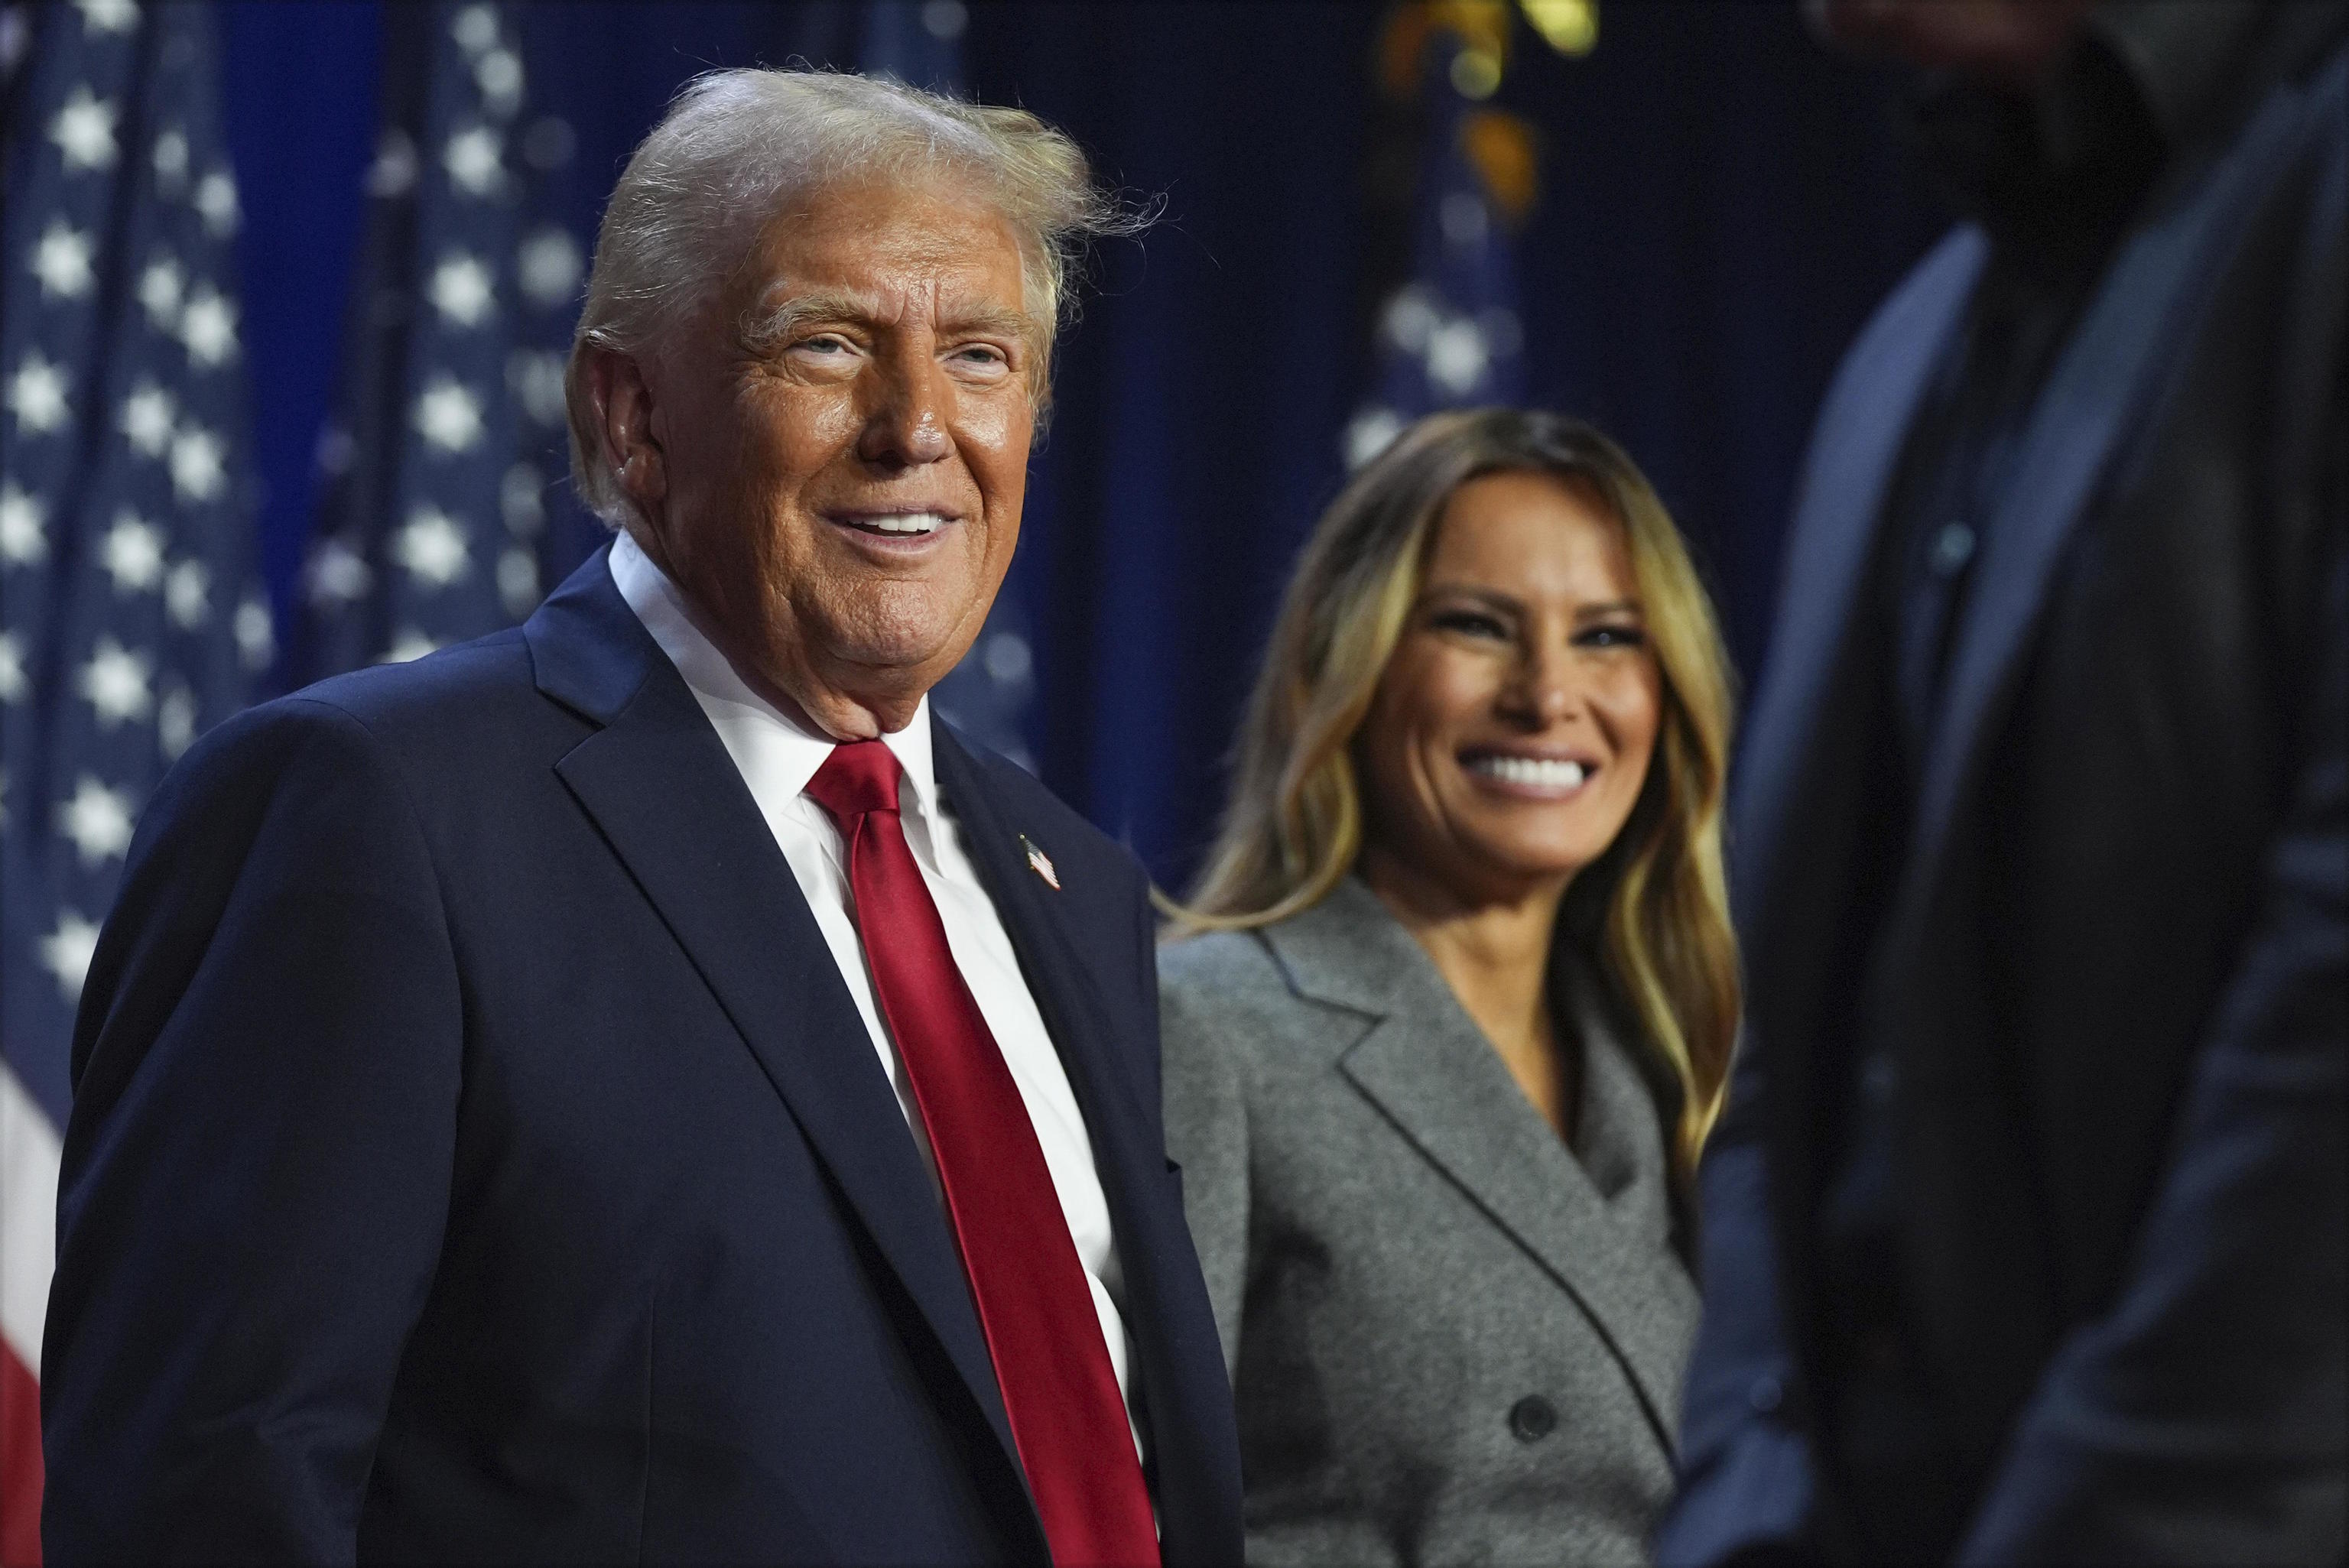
column 893, row 524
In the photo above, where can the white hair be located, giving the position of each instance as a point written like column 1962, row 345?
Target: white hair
column 737, row 146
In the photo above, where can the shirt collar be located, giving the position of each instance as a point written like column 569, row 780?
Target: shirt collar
column 791, row 748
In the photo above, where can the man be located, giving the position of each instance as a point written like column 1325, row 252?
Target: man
column 2024, row 1231
column 633, row 1087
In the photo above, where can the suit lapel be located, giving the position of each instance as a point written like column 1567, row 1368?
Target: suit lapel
column 1862, row 428
column 1428, row 1069
column 2099, row 390
column 1128, row 1154
column 657, row 781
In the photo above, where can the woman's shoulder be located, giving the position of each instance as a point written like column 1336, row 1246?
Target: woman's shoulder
column 1214, row 959
column 1226, row 993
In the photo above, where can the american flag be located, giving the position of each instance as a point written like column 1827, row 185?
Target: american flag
column 130, row 619
column 1450, row 336
column 444, row 514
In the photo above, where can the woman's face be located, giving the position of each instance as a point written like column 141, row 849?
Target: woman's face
column 1509, row 736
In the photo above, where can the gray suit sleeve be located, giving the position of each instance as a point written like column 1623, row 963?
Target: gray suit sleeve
column 1207, row 1136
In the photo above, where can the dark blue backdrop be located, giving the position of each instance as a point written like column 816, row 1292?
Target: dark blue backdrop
column 1722, row 203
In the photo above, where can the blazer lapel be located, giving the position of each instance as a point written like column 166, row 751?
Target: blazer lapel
column 1428, row 1069
column 2099, row 390
column 659, row 783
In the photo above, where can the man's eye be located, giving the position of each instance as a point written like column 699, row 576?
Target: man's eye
column 979, row 353
column 827, row 343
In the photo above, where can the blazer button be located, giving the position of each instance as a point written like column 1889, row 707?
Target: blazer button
column 1532, row 1418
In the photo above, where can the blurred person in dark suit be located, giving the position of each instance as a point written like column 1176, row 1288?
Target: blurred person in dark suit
column 1454, row 1010
column 2024, row 1229
column 634, row 1088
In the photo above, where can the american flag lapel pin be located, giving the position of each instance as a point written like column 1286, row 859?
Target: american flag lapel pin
column 1040, row 863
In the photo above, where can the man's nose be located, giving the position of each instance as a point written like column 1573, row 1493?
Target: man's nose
column 906, row 423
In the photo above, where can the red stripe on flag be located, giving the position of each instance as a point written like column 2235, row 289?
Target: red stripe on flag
column 20, row 1464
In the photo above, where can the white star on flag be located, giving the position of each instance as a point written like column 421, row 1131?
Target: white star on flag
column 499, row 76
column 108, row 15
column 518, row 582
column 159, row 290
column 216, row 204
column 256, row 638
column 65, row 953
column 24, row 539
column 475, row 160
column 199, row 465
column 207, row 327
column 408, row 645
column 535, row 376
column 1457, row 356
column 431, row 547
column 338, row 572
column 114, row 684
column 12, row 668
column 175, row 722
column 132, row 553
column 475, row 28
column 187, row 594
column 171, row 160
column 61, row 261
column 461, row 289
column 449, row 415
column 83, row 129
column 147, row 416
column 97, row 821
column 37, row 395
column 1371, row 432
column 551, row 266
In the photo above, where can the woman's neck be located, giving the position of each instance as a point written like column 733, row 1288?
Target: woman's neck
column 1494, row 953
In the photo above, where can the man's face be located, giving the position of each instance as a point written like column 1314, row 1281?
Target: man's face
column 840, row 447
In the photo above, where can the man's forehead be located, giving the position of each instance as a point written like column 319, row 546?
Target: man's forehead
column 883, row 268
column 861, row 295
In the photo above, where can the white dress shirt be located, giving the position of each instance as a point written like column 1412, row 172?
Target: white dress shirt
column 777, row 754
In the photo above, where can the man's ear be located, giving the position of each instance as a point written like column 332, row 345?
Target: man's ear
column 623, row 417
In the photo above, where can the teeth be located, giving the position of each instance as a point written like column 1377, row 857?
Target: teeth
column 909, row 523
column 1530, row 771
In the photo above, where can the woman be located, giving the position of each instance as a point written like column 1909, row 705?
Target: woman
column 1452, row 1007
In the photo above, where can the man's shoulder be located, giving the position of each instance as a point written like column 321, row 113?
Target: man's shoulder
column 483, row 681
column 447, row 715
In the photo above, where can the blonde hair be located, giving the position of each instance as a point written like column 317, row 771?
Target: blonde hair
column 1654, row 908
column 737, row 146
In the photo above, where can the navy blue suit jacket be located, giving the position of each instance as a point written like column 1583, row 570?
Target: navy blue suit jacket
column 476, row 1154
column 2114, row 968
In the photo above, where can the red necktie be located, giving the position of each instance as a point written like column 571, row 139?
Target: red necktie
column 1060, row 1390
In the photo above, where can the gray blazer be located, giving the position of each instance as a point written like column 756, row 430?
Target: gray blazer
column 1452, row 1340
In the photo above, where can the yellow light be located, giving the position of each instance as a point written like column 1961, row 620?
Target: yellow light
column 1569, row 26
column 1475, row 73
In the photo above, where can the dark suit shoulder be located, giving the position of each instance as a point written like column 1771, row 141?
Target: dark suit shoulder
column 487, row 680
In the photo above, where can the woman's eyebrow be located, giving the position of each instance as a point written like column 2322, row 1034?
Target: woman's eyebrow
column 1611, row 607
column 1492, row 596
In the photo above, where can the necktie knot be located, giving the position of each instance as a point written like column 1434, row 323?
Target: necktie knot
column 858, row 778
